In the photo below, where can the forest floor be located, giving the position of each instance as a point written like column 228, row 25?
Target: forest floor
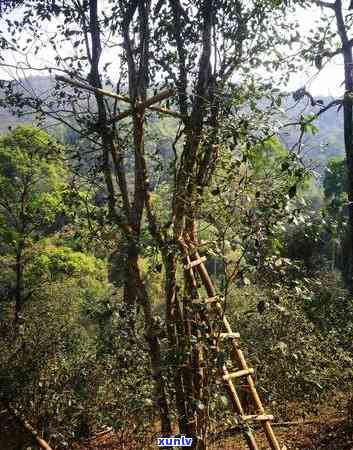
column 333, row 435
column 329, row 429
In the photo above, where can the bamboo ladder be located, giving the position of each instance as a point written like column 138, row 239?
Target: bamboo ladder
column 194, row 267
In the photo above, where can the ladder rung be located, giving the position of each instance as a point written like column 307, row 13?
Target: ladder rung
column 224, row 335
column 206, row 301
column 229, row 335
column 239, row 373
column 195, row 263
column 258, row 418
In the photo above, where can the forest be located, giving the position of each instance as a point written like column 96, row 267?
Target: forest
column 176, row 224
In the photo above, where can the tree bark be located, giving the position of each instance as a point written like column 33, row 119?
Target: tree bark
column 348, row 130
column 175, row 329
column 18, row 292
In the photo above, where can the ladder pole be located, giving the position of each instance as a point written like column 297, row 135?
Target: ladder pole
column 271, row 437
column 226, row 324
column 266, row 425
column 240, row 357
column 206, row 279
column 249, row 437
column 237, row 406
column 233, row 394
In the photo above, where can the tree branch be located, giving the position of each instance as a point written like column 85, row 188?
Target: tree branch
column 325, row 4
column 336, row 52
column 177, row 11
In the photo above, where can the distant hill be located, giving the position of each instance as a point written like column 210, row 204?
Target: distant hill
column 327, row 142
column 32, row 85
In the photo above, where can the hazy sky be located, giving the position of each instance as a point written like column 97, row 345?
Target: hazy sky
column 327, row 82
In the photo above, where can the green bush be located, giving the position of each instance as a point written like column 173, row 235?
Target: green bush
column 299, row 339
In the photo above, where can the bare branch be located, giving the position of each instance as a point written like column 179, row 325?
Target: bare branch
column 337, row 102
column 325, row 4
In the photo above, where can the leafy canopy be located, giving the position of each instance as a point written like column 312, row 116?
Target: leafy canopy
column 32, row 181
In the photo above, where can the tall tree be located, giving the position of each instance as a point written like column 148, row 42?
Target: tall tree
column 32, row 182
column 326, row 47
column 196, row 47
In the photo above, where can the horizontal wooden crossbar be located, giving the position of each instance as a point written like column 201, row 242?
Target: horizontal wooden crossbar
column 238, row 374
column 147, row 104
column 206, row 301
column 229, row 336
column 87, row 87
column 258, row 418
column 195, row 263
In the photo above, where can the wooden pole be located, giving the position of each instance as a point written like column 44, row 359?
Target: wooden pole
column 147, row 104
column 27, row 427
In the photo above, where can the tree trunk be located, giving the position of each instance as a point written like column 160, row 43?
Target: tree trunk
column 348, row 132
column 19, row 284
column 154, row 346
column 176, row 332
